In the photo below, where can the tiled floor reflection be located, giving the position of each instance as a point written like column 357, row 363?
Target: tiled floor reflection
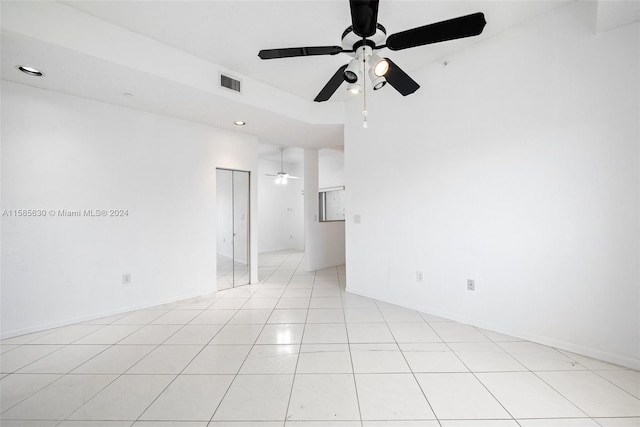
column 297, row 350
column 230, row 272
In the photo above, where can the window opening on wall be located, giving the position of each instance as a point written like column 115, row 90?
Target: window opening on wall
column 331, row 204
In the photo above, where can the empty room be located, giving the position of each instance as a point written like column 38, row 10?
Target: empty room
column 338, row 213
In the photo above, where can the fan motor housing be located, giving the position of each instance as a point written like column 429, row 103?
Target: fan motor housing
column 352, row 41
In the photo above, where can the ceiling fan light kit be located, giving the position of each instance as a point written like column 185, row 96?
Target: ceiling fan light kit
column 379, row 66
column 281, row 180
column 354, row 88
column 377, row 82
column 366, row 35
column 352, row 72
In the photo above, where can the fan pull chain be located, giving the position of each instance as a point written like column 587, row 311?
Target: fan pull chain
column 364, row 90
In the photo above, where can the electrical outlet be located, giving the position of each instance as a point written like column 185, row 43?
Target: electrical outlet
column 356, row 219
column 126, row 278
column 471, row 285
column 419, row 276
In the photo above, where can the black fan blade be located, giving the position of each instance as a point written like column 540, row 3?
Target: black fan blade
column 299, row 51
column 332, row 85
column 364, row 17
column 456, row 28
column 400, row 80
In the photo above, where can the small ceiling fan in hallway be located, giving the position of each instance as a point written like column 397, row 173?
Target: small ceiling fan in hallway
column 282, row 177
column 365, row 36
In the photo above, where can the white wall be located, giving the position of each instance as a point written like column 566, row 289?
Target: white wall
column 297, row 217
column 324, row 241
column 63, row 152
column 280, row 209
column 330, row 168
column 517, row 166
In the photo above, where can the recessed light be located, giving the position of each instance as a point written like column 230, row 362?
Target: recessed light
column 239, row 123
column 30, row 70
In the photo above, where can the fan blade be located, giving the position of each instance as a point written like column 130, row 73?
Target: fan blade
column 292, row 177
column 332, row 85
column 291, row 52
column 364, row 17
column 456, row 28
column 271, row 174
column 400, row 80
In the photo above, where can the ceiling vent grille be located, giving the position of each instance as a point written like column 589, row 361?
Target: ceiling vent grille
column 230, row 83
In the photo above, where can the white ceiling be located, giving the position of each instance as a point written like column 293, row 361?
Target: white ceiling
column 615, row 14
column 88, row 50
column 271, row 152
column 231, row 33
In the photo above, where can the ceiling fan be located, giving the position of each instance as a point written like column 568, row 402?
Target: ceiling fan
column 365, row 36
column 282, row 177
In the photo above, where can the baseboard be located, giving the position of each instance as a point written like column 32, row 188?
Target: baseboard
column 74, row 320
column 288, row 248
column 326, row 265
column 627, row 362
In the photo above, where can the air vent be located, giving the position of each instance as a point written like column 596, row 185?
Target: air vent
column 230, row 83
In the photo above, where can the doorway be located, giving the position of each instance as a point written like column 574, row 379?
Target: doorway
column 232, row 193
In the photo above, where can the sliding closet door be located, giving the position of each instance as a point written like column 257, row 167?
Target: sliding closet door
column 241, row 228
column 232, row 195
column 224, row 241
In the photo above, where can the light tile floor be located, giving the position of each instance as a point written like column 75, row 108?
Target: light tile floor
column 297, row 350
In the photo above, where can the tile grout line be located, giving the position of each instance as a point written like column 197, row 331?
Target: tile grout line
column 62, row 346
column 156, row 346
column 473, row 373
column 405, row 360
column 72, row 374
column 610, row 382
column 60, row 375
column 118, row 376
column 304, row 328
column 248, row 353
column 353, row 371
column 529, row 370
column 597, row 371
column 187, row 364
column 534, row 373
